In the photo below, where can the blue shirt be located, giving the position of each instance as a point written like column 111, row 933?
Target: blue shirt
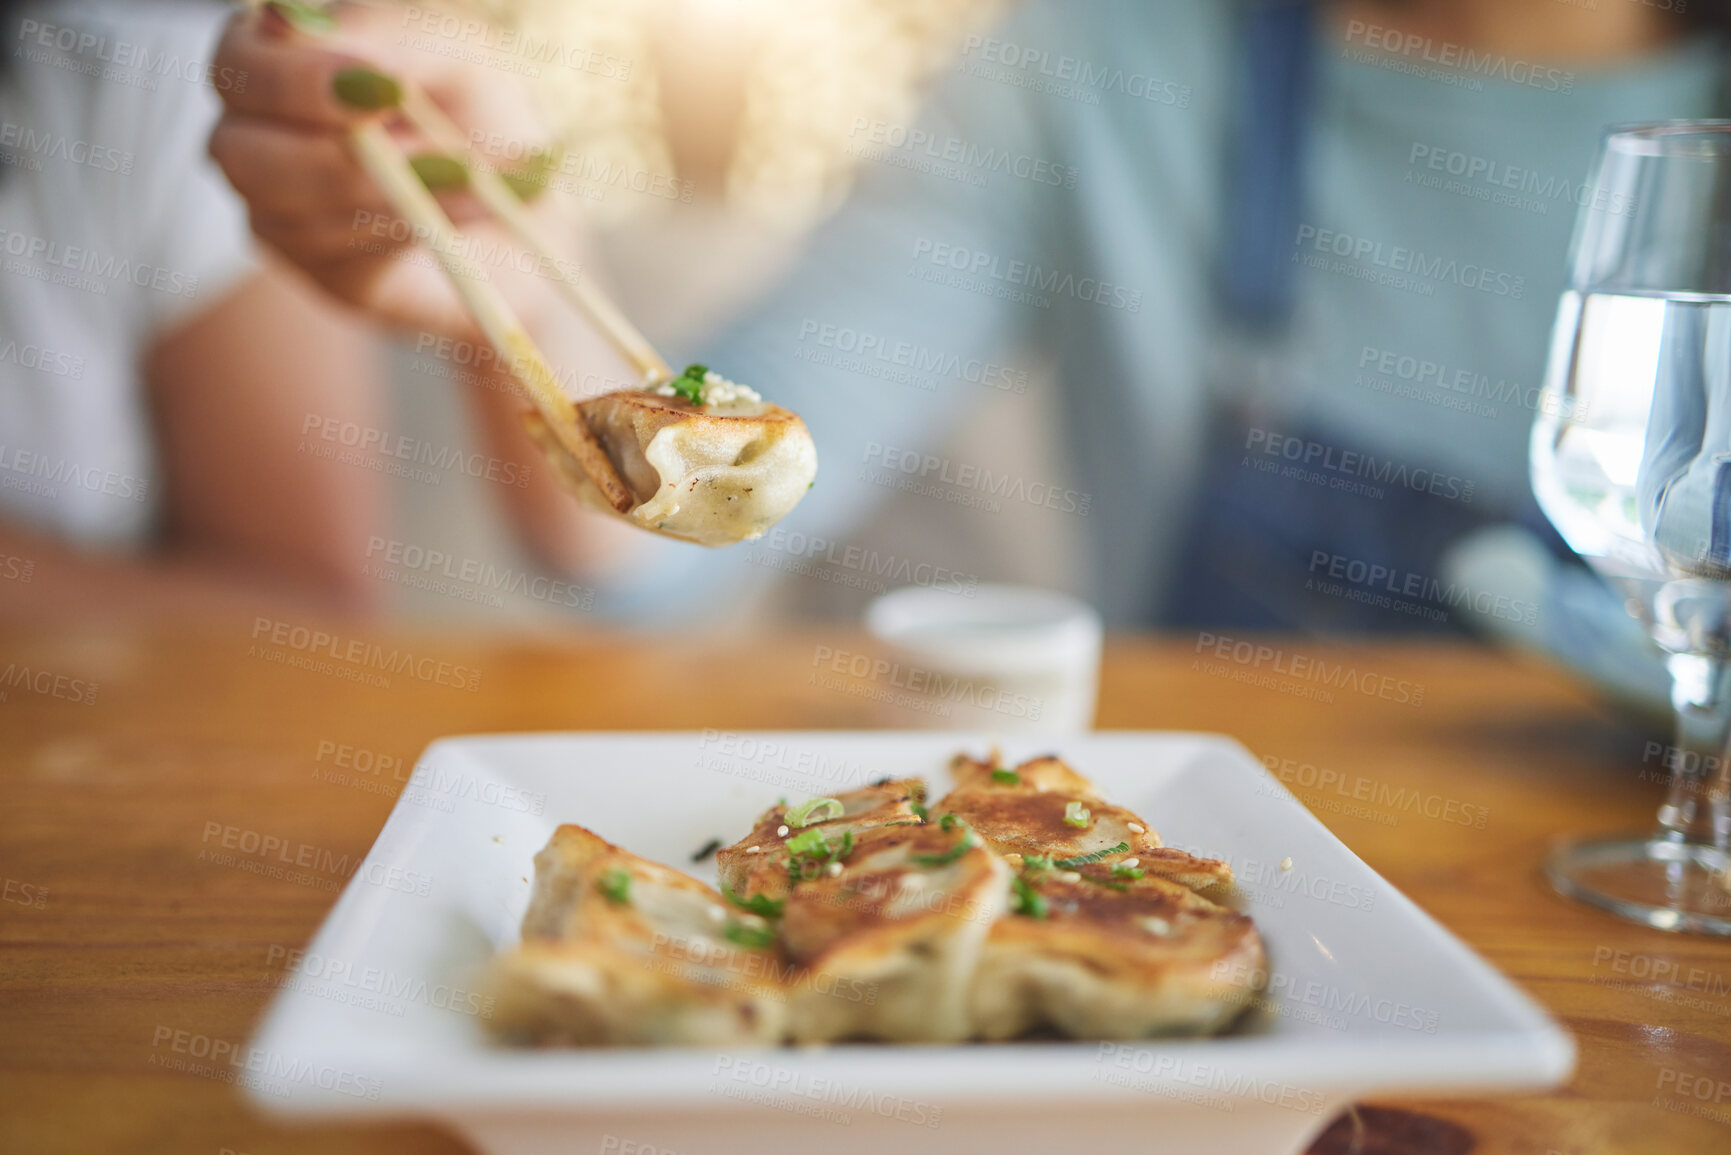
column 1062, row 197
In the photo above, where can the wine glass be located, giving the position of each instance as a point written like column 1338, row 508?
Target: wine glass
column 1631, row 461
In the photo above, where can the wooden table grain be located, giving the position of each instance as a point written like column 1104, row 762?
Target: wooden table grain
column 121, row 746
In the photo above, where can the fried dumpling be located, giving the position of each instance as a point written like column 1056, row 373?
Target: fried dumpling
column 620, row 950
column 755, row 870
column 1094, row 953
column 714, row 474
column 1107, row 937
column 1044, row 807
column 895, row 927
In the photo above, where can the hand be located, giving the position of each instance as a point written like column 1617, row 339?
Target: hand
column 282, row 141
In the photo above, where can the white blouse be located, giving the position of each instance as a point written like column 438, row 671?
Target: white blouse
column 114, row 227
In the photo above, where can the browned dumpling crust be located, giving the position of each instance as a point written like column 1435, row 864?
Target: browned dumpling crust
column 1027, row 809
column 758, row 864
column 1109, row 937
column 1022, row 901
column 710, row 474
column 620, row 950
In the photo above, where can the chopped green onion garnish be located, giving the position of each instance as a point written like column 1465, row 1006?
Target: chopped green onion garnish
column 759, row 904
column 688, row 386
column 917, row 800
column 809, row 849
column 1025, row 899
column 750, row 937
column 1076, row 814
column 1122, row 871
column 967, row 842
column 814, row 810
column 1007, row 777
column 307, row 17
column 946, row 857
column 1036, row 862
column 1095, row 856
column 807, row 842
column 615, row 885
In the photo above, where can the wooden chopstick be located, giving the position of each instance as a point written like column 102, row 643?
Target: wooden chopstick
column 560, row 420
column 498, row 198
column 386, row 163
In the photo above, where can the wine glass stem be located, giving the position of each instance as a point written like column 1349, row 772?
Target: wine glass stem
column 1695, row 808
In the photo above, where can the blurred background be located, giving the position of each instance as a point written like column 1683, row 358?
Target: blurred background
column 737, row 115
column 1341, row 229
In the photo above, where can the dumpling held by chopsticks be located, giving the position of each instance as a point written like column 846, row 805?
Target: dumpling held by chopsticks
column 705, row 460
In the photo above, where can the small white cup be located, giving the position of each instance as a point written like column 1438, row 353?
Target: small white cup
column 1010, row 658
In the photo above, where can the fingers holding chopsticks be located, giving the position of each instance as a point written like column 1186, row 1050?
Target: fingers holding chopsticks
column 290, row 77
column 284, row 143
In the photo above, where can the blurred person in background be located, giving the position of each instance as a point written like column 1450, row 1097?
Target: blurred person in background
column 166, row 392
column 153, row 370
column 1293, row 264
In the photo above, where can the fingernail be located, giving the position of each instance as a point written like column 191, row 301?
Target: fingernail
column 526, row 188
column 304, row 16
column 532, row 179
column 366, row 89
column 438, row 171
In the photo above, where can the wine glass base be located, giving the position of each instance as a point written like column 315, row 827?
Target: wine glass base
column 1653, row 881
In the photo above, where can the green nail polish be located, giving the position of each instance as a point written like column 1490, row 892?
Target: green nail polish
column 364, row 88
column 532, row 179
column 438, row 171
column 305, row 16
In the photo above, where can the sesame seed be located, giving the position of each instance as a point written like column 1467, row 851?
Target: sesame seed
column 1012, row 857
column 715, row 913
column 1138, row 828
column 1131, row 861
column 1157, row 925
column 1071, row 876
column 833, row 869
column 1286, row 864
column 753, row 849
column 781, row 831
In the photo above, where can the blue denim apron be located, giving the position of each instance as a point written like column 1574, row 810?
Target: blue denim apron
column 1270, row 548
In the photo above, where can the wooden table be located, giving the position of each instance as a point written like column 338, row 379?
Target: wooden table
column 112, row 928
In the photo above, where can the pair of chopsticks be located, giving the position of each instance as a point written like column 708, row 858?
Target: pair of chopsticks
column 389, row 166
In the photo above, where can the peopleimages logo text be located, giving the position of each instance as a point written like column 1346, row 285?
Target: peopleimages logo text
column 1489, row 65
column 125, row 54
column 362, row 654
column 1084, row 74
column 1304, row 668
column 955, row 150
column 980, row 264
column 1353, row 464
column 101, row 267
column 889, row 567
column 1397, row 259
column 1515, row 178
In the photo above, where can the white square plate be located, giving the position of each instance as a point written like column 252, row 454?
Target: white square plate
column 379, row 1018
